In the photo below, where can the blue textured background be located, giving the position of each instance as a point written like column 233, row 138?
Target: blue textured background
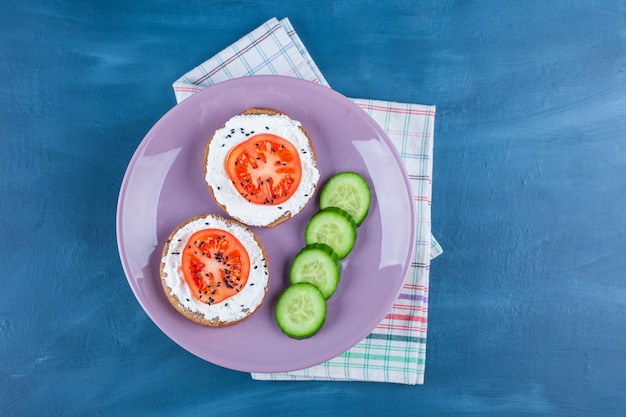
column 528, row 303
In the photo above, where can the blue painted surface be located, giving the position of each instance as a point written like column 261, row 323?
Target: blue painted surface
column 528, row 303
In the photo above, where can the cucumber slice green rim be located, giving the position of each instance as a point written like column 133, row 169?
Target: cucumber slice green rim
column 348, row 191
column 301, row 310
column 319, row 265
column 333, row 227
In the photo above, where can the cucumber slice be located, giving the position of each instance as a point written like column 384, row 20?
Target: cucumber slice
column 318, row 264
column 333, row 227
column 301, row 310
column 349, row 192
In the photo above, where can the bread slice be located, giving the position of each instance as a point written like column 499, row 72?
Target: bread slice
column 287, row 214
column 173, row 282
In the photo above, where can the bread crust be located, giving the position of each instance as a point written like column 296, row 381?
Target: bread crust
column 255, row 111
column 195, row 316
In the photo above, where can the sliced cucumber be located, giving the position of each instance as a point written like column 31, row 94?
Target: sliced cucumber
column 349, row 192
column 301, row 310
column 318, row 264
column 333, row 227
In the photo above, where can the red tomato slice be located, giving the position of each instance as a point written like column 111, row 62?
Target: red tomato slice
column 265, row 169
column 215, row 265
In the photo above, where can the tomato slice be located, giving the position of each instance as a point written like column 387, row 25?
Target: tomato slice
column 264, row 169
column 215, row 265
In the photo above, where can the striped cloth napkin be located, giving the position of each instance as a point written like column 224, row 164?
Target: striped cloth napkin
column 396, row 350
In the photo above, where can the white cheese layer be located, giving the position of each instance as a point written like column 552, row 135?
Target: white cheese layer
column 239, row 129
column 239, row 305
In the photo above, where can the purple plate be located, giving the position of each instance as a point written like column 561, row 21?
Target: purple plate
column 164, row 185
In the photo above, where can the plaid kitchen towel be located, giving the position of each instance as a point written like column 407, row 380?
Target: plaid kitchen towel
column 396, row 350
